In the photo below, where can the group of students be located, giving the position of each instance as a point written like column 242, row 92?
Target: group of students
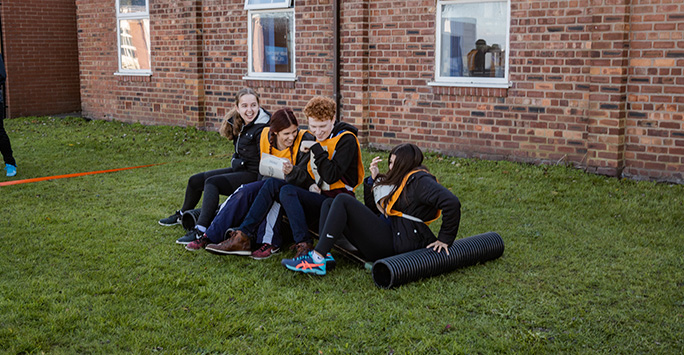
column 321, row 168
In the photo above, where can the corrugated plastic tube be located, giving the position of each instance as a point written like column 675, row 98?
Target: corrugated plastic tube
column 423, row 263
column 189, row 218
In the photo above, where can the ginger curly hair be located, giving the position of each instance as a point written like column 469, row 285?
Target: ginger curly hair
column 320, row 108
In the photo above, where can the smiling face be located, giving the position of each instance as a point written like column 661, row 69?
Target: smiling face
column 248, row 108
column 320, row 128
column 286, row 137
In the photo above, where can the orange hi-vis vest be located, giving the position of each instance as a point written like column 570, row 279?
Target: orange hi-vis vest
column 329, row 145
column 389, row 208
column 287, row 153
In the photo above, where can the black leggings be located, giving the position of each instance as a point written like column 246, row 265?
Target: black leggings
column 5, row 145
column 213, row 183
column 369, row 233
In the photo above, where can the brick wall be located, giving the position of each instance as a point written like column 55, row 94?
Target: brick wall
column 41, row 56
column 655, row 113
column 594, row 83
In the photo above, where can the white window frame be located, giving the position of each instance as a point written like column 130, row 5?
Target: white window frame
column 251, row 75
column 482, row 82
column 130, row 16
column 275, row 4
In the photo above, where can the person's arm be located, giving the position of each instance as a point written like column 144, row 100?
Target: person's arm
column 299, row 175
column 430, row 192
column 332, row 170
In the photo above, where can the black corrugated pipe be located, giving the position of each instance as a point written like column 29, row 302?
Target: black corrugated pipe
column 336, row 57
column 189, row 218
column 422, row 263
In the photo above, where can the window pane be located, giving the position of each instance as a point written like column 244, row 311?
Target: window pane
column 272, row 43
column 135, row 44
column 130, row 6
column 473, row 37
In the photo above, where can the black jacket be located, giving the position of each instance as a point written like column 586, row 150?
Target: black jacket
column 247, row 154
column 299, row 175
column 343, row 165
column 421, row 198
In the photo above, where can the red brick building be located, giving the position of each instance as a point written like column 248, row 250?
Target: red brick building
column 598, row 84
column 40, row 48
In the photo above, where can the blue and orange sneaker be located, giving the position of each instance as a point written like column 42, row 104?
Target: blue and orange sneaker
column 306, row 264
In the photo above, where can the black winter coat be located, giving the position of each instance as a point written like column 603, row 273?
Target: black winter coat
column 247, row 154
column 421, row 198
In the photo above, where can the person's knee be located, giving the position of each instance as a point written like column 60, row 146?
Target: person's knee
column 196, row 181
column 288, row 194
column 343, row 199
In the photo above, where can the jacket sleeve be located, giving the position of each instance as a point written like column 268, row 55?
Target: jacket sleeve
column 430, row 192
column 368, row 198
column 332, row 170
column 299, row 175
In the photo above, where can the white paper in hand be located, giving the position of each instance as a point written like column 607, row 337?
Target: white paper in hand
column 272, row 166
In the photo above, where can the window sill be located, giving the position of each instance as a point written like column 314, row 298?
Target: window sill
column 145, row 73
column 270, row 78
column 471, row 84
column 479, row 89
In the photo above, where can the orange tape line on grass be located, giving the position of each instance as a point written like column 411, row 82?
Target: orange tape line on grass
column 25, row 181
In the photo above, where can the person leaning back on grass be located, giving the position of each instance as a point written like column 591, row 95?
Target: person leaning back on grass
column 335, row 168
column 400, row 205
column 282, row 140
column 243, row 125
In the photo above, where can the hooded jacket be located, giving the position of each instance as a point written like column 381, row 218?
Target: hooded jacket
column 247, row 154
column 344, row 163
column 422, row 197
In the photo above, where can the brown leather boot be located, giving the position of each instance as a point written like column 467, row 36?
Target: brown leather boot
column 302, row 248
column 238, row 244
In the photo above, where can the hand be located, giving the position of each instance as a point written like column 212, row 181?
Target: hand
column 374, row 170
column 305, row 146
column 287, row 167
column 315, row 188
column 438, row 246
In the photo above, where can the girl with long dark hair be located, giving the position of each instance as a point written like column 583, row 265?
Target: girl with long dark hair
column 401, row 204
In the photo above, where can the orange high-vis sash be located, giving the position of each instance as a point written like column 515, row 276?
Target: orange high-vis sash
column 287, row 153
column 389, row 208
column 329, row 145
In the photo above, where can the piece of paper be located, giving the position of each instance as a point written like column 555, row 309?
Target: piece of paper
column 272, row 166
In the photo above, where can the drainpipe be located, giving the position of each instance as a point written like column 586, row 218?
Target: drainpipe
column 336, row 57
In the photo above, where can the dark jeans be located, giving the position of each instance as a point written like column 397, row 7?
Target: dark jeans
column 267, row 196
column 213, row 183
column 303, row 210
column 234, row 210
column 369, row 233
column 5, row 146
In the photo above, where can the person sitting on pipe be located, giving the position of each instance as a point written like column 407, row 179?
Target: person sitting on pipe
column 400, row 204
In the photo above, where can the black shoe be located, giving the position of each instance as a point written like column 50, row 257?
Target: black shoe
column 171, row 220
column 190, row 236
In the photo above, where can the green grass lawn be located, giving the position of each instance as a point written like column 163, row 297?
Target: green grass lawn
column 591, row 264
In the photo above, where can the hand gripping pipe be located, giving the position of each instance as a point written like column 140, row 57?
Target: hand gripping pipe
column 189, row 218
column 423, row 263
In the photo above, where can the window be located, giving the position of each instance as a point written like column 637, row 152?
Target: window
column 271, row 54
column 133, row 28
column 472, row 43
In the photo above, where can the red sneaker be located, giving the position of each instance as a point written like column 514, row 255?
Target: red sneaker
column 265, row 251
